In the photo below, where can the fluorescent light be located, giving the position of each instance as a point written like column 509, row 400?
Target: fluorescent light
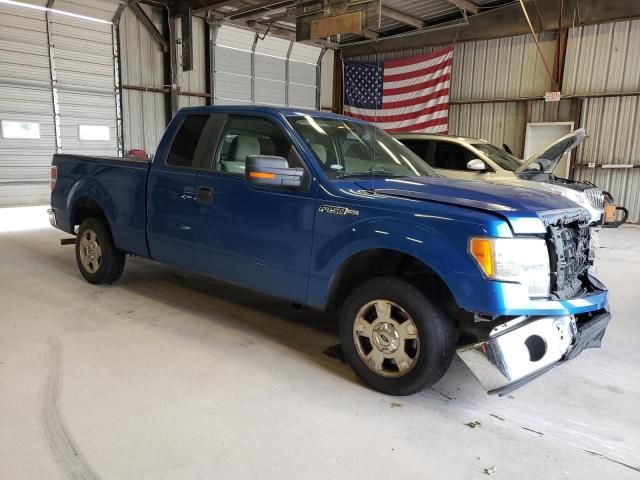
column 53, row 10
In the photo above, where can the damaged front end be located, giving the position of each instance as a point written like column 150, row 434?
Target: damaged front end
column 520, row 350
column 510, row 351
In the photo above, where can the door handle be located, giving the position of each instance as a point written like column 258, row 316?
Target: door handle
column 204, row 195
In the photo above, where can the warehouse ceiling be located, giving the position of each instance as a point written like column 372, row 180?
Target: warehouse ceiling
column 383, row 18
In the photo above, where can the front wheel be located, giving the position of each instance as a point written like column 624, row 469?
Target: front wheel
column 395, row 339
column 99, row 261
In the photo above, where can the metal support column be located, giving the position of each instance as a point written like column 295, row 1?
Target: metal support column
column 319, row 78
column 286, row 74
column 253, row 68
column 54, row 79
column 214, row 26
column 116, row 87
column 173, row 59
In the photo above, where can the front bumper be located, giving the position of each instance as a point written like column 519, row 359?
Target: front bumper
column 519, row 351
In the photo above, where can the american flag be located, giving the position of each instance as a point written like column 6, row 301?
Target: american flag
column 409, row 95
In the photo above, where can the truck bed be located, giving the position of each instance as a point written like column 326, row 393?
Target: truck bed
column 117, row 184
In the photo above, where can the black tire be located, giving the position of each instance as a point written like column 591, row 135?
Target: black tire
column 108, row 266
column 434, row 332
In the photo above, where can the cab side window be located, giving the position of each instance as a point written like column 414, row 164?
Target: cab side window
column 450, row 156
column 184, row 149
column 244, row 136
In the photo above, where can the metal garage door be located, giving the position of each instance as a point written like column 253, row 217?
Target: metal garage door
column 78, row 53
column 251, row 68
column 27, row 136
column 84, row 63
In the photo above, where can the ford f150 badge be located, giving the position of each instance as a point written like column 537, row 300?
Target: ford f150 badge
column 338, row 210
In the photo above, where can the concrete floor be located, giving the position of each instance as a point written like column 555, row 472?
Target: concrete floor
column 168, row 375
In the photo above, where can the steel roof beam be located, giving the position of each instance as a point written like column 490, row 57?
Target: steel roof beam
column 402, row 17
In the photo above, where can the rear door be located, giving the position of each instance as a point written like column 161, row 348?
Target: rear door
column 171, row 193
column 257, row 237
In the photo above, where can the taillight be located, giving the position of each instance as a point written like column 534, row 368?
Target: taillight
column 53, row 177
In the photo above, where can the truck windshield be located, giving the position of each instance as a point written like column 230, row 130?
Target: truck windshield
column 502, row 158
column 345, row 148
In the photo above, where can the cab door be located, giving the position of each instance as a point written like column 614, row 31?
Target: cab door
column 172, row 208
column 257, row 237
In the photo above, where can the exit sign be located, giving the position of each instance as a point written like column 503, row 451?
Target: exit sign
column 552, row 97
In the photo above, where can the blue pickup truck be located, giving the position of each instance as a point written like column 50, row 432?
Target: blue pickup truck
column 329, row 212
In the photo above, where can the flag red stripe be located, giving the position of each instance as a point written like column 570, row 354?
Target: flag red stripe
column 417, row 59
column 417, row 73
column 413, row 101
column 416, row 87
column 420, row 126
column 398, row 118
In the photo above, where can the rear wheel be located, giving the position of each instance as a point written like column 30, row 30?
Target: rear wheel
column 395, row 339
column 98, row 259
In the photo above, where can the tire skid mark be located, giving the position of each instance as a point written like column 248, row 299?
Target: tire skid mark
column 64, row 449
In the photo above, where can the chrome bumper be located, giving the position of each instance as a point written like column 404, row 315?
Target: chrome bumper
column 52, row 217
column 519, row 351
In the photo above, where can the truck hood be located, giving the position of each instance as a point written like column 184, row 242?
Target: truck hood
column 526, row 210
column 549, row 157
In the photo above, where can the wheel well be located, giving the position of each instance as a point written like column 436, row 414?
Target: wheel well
column 86, row 207
column 377, row 263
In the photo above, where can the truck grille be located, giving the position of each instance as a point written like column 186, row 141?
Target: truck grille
column 595, row 197
column 569, row 255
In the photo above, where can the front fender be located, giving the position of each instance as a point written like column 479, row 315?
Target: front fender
column 438, row 243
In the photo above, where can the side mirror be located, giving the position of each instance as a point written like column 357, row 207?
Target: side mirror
column 507, row 148
column 476, row 165
column 272, row 171
column 535, row 167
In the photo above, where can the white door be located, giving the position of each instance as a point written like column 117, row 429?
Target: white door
column 539, row 135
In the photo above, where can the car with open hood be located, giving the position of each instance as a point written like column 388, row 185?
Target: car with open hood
column 476, row 159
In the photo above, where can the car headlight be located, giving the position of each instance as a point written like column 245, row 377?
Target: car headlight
column 520, row 260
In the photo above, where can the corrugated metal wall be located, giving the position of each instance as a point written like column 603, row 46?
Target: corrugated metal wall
column 25, row 96
column 507, row 67
column 194, row 80
column 141, row 59
column 614, row 125
column 605, row 59
column 501, row 122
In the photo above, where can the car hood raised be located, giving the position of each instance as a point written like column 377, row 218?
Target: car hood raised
column 527, row 210
column 549, row 157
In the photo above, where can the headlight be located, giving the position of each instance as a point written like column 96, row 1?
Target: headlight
column 521, row 260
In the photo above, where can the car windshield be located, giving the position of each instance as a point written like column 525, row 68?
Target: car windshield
column 503, row 159
column 345, row 148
